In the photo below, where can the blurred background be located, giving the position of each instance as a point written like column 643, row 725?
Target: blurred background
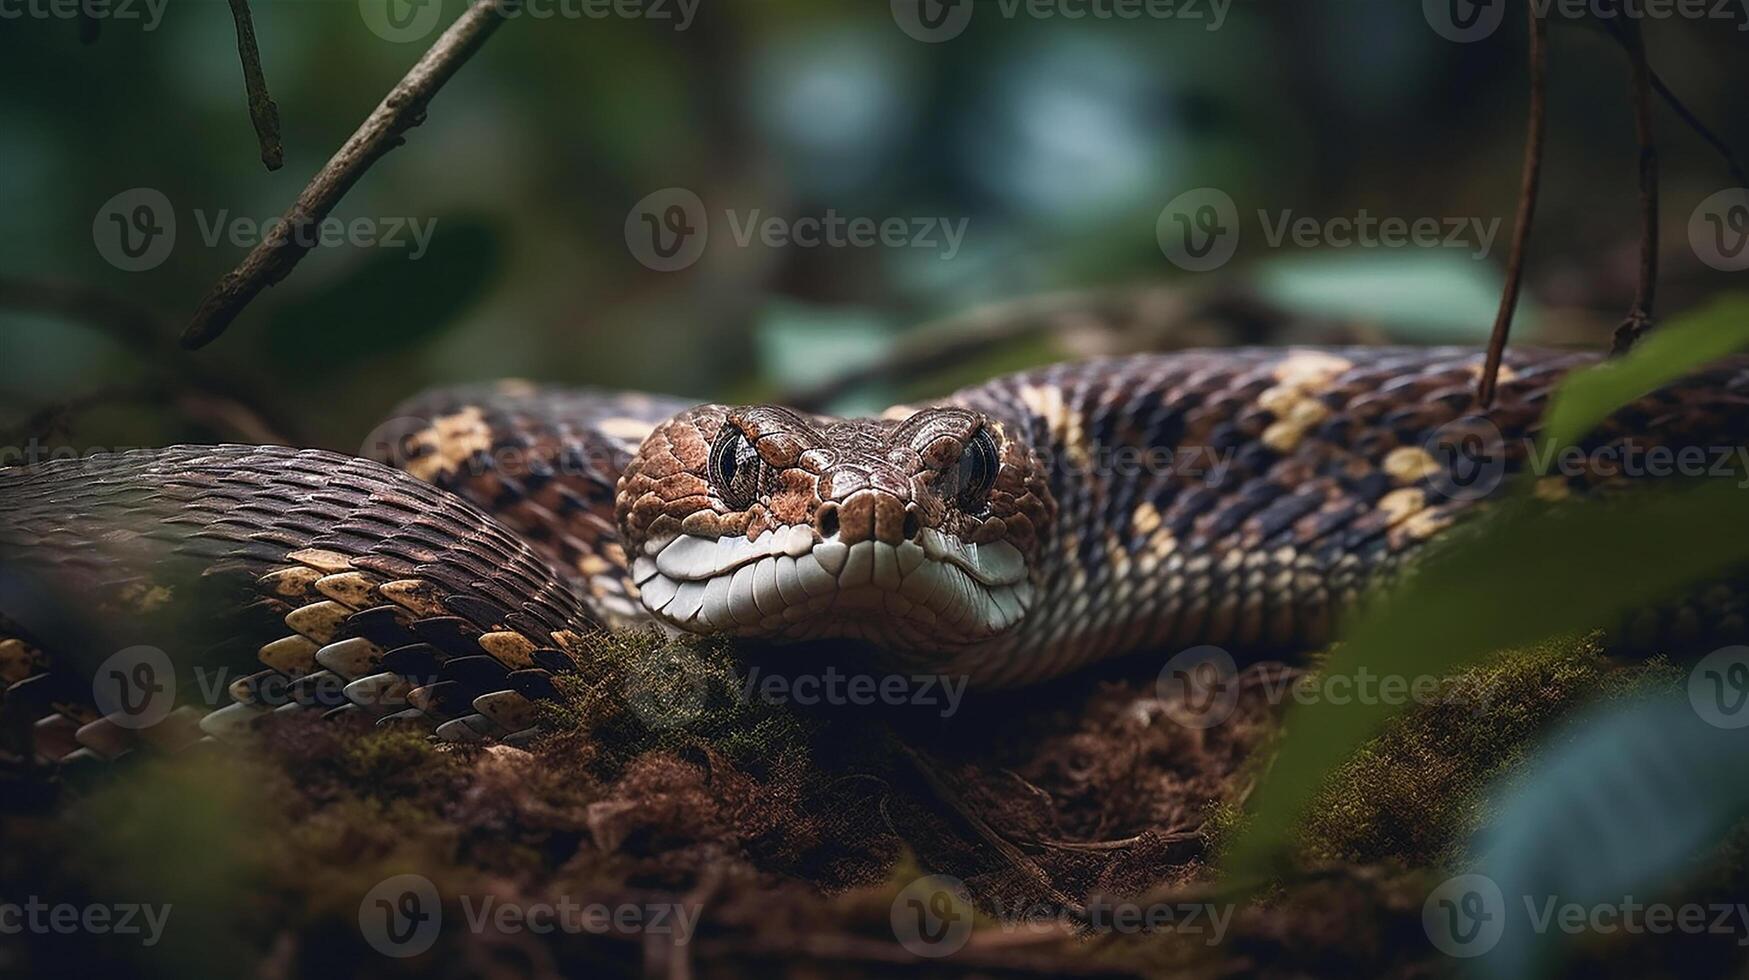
column 1053, row 142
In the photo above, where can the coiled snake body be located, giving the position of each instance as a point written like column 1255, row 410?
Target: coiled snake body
column 1010, row 532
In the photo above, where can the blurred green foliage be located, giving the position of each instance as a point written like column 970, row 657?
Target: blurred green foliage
column 1057, row 140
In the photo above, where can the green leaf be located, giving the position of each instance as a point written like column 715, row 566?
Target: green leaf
column 1522, row 575
column 1667, row 353
column 1662, row 765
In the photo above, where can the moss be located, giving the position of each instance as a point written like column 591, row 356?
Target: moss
column 641, row 690
column 1414, row 793
column 661, row 776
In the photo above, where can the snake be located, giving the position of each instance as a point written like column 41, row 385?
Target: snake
column 1010, row 532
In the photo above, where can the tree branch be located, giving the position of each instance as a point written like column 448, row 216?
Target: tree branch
column 383, row 130
column 1700, row 129
column 263, row 112
column 1639, row 318
column 209, row 396
column 1527, row 191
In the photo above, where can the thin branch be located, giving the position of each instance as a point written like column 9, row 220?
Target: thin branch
column 214, row 411
column 944, row 791
column 1639, row 318
column 209, row 396
column 951, row 339
column 1700, row 129
column 263, row 112
column 1527, row 191
column 1101, row 846
column 383, row 130
column 129, row 323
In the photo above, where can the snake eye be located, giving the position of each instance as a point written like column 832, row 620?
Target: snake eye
column 736, row 471
column 969, row 480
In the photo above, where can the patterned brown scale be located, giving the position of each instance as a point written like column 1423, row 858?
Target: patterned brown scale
column 271, row 579
column 1295, row 478
column 543, row 460
column 1012, row 531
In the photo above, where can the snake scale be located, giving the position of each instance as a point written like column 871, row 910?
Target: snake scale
column 1010, row 532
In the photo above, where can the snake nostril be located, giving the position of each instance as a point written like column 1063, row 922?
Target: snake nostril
column 913, row 524
column 826, row 520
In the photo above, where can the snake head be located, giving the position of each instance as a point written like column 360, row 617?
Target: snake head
column 916, row 534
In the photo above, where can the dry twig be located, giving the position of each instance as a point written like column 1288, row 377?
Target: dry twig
column 210, row 397
column 1527, row 191
column 383, row 130
column 1639, row 318
column 1025, row 866
column 263, row 112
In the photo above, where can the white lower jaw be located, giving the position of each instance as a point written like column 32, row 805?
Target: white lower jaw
column 941, row 591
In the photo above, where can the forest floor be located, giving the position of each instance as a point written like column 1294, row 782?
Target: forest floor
column 1072, row 829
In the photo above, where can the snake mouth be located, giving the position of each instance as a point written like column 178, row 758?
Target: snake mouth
column 790, row 584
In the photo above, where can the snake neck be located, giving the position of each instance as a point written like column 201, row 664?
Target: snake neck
column 1248, row 499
